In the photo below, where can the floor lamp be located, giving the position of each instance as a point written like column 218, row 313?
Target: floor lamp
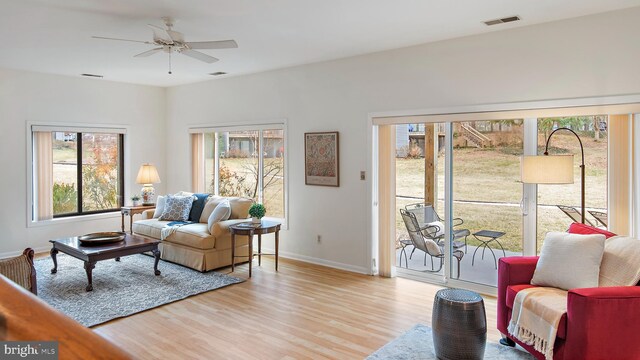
column 553, row 169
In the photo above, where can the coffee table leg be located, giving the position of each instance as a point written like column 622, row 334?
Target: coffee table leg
column 156, row 254
column 250, row 252
column 53, row 253
column 88, row 267
column 117, row 259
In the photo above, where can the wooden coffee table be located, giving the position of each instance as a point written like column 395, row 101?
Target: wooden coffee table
column 132, row 244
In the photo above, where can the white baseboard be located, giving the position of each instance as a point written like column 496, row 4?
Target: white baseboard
column 11, row 254
column 323, row 262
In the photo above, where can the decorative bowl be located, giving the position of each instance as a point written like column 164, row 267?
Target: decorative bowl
column 102, row 237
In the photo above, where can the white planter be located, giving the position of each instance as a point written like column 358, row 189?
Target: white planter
column 136, row 203
column 256, row 220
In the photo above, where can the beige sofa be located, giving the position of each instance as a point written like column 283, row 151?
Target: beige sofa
column 192, row 245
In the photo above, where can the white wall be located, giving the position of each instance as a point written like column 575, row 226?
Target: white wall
column 27, row 96
column 589, row 56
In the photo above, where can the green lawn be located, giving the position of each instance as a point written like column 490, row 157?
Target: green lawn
column 491, row 175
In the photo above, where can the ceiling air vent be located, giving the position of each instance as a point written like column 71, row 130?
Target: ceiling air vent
column 502, row 21
column 218, row 73
column 93, row 76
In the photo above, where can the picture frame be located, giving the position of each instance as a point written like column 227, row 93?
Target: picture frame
column 322, row 158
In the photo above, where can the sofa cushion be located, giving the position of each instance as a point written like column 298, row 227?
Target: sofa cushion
column 579, row 228
column 151, row 227
column 160, row 201
column 177, row 208
column 511, row 296
column 569, row 261
column 220, row 213
column 197, row 206
column 620, row 262
column 239, row 207
column 193, row 235
column 209, row 206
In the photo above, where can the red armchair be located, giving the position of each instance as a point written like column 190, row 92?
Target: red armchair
column 601, row 323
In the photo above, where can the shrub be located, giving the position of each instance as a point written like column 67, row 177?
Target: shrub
column 65, row 198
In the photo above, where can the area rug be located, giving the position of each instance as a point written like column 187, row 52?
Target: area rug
column 119, row 288
column 417, row 344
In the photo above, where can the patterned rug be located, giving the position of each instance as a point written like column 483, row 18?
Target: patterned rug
column 119, row 288
column 417, row 344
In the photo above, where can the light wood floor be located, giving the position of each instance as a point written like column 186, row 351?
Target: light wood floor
column 303, row 311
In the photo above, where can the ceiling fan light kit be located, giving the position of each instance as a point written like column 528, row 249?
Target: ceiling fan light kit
column 169, row 41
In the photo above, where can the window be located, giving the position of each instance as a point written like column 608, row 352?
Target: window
column 77, row 173
column 247, row 163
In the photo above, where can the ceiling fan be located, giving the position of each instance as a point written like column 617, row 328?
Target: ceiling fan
column 169, row 41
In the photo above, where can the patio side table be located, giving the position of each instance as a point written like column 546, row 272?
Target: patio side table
column 486, row 237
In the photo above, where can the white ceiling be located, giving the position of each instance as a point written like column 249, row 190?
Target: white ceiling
column 54, row 36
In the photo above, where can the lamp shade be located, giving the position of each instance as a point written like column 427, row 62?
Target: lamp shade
column 547, row 169
column 148, row 174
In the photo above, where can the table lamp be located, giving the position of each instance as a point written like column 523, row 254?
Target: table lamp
column 552, row 169
column 148, row 175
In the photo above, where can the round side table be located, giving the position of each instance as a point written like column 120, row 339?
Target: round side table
column 249, row 229
column 459, row 325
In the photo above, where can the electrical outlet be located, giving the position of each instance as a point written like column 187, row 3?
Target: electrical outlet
column 361, row 175
column 318, row 238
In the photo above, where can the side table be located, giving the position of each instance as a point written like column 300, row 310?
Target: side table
column 490, row 236
column 132, row 210
column 249, row 229
column 459, row 325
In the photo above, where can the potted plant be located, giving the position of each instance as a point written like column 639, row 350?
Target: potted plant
column 257, row 212
column 135, row 199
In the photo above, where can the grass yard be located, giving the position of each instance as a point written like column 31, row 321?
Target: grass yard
column 487, row 191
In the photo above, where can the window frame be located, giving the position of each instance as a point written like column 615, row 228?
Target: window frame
column 260, row 128
column 79, row 180
column 33, row 126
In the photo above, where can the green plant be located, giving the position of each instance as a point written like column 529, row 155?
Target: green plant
column 65, row 198
column 135, row 197
column 257, row 211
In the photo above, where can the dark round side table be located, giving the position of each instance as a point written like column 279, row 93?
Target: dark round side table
column 459, row 325
column 249, row 229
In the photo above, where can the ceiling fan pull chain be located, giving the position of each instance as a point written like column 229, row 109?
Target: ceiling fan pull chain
column 169, row 61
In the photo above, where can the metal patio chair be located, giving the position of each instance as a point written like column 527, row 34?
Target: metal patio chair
column 600, row 217
column 426, row 214
column 574, row 214
column 422, row 240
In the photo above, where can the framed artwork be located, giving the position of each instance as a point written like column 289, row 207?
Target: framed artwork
column 321, row 159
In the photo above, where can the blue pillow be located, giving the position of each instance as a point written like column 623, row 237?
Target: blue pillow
column 197, row 207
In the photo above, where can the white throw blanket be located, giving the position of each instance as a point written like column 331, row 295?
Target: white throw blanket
column 536, row 314
column 168, row 230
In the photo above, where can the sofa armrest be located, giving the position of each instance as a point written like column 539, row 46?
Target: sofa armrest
column 600, row 318
column 222, row 227
column 512, row 271
column 148, row 214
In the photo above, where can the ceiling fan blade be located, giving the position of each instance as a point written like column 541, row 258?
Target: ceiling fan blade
column 149, row 52
column 199, row 56
column 108, row 38
column 223, row 44
column 160, row 34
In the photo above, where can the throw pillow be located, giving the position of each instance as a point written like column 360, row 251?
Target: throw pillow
column 220, row 213
column 620, row 262
column 569, row 261
column 177, row 208
column 209, row 206
column 436, row 231
column 160, row 201
column 579, row 228
column 197, row 206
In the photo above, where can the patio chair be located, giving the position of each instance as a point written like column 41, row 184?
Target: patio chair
column 422, row 240
column 574, row 214
column 600, row 217
column 426, row 214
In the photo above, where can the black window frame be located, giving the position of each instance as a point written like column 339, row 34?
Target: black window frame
column 79, row 164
